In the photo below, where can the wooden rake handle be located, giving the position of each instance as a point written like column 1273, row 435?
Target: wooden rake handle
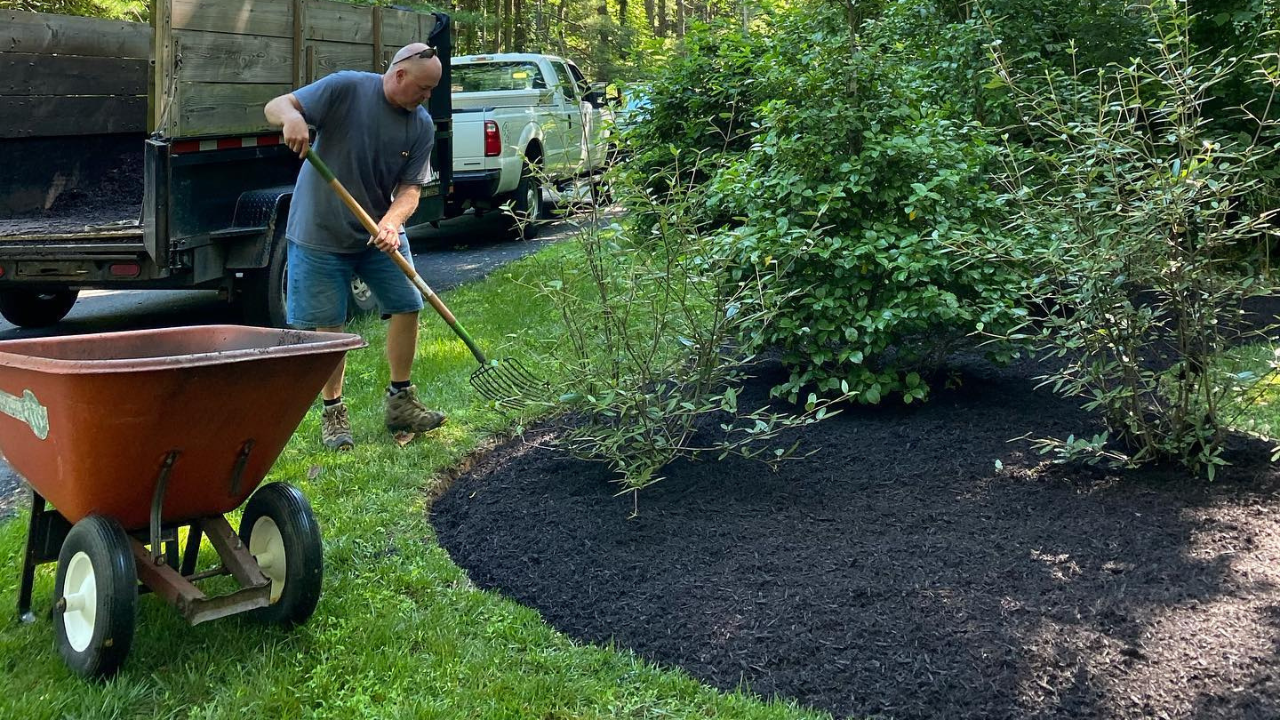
column 399, row 259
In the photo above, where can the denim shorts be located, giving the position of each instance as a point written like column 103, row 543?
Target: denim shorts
column 319, row 284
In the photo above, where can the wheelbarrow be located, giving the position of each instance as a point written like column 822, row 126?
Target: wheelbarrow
column 131, row 436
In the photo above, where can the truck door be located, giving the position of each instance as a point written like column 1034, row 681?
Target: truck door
column 569, row 118
column 591, row 154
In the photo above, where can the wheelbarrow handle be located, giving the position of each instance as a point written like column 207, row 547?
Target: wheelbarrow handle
column 399, row 259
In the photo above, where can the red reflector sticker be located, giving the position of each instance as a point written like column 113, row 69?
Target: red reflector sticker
column 126, row 270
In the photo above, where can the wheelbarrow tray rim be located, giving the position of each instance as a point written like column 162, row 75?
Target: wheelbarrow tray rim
column 310, row 342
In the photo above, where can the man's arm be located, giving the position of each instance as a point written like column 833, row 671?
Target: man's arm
column 285, row 111
column 405, row 202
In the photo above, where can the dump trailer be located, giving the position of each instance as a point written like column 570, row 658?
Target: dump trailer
column 137, row 155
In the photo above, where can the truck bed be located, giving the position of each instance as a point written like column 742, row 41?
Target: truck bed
column 73, row 187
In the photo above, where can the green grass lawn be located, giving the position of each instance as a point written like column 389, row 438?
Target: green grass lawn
column 400, row 631
column 1256, row 408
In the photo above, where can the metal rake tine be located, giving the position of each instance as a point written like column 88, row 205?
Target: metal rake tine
column 487, row 384
column 514, row 372
column 505, row 382
column 481, row 380
column 503, row 401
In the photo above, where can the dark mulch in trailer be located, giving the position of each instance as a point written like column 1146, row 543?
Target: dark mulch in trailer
column 898, row 572
column 107, row 192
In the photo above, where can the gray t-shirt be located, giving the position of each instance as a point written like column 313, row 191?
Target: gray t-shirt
column 370, row 145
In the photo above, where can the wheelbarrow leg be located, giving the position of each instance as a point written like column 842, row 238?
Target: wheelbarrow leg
column 29, row 559
column 193, row 550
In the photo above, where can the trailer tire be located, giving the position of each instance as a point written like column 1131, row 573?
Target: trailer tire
column 282, row 534
column 262, row 302
column 36, row 309
column 96, row 591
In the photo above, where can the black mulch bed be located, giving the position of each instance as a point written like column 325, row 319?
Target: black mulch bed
column 897, row 572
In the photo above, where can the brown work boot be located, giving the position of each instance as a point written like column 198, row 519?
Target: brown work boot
column 406, row 414
column 335, row 427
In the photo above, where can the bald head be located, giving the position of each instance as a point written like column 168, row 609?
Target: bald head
column 407, row 50
column 410, row 78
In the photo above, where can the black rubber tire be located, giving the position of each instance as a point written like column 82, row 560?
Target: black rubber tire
column 527, row 205
column 34, row 308
column 287, row 507
column 262, row 301
column 106, row 546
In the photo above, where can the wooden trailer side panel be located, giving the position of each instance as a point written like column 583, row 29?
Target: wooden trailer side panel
column 63, row 76
column 219, row 63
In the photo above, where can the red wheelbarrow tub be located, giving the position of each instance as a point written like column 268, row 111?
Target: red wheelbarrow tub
column 89, row 420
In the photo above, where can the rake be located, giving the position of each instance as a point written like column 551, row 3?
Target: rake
column 506, row 381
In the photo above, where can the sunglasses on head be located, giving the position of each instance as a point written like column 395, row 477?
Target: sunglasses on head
column 425, row 55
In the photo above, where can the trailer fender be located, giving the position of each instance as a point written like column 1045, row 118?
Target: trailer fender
column 266, row 209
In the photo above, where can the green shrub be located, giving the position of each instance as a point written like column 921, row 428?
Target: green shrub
column 135, row 10
column 649, row 352
column 845, row 205
column 1130, row 222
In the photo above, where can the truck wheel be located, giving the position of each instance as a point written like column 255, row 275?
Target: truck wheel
column 97, row 597
column 282, row 534
column 34, row 309
column 527, row 205
column 362, row 300
column 262, row 300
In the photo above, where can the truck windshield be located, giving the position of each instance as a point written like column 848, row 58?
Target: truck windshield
column 491, row 76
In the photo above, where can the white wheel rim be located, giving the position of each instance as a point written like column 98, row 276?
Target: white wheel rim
column 266, row 544
column 361, row 291
column 80, row 593
column 532, row 202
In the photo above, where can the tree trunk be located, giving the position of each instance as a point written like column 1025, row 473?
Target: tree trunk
column 560, row 24
column 540, row 29
column 509, row 32
column 662, row 18
column 517, row 19
column 498, row 22
column 680, row 19
column 648, row 16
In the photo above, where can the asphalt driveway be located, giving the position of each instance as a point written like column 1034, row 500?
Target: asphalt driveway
column 461, row 250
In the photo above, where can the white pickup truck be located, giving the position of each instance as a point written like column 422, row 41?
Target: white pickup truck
column 520, row 121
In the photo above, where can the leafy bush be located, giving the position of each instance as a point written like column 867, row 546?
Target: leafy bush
column 1130, row 222
column 844, row 205
column 702, row 100
column 840, row 165
column 649, row 352
column 135, row 10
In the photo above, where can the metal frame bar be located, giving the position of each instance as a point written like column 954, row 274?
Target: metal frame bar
column 158, row 566
column 181, row 592
column 29, row 560
column 46, row 531
column 157, row 505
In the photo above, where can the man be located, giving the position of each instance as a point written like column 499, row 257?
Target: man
column 373, row 132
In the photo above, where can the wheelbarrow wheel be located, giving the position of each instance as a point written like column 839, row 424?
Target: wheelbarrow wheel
column 97, row 598
column 282, row 534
